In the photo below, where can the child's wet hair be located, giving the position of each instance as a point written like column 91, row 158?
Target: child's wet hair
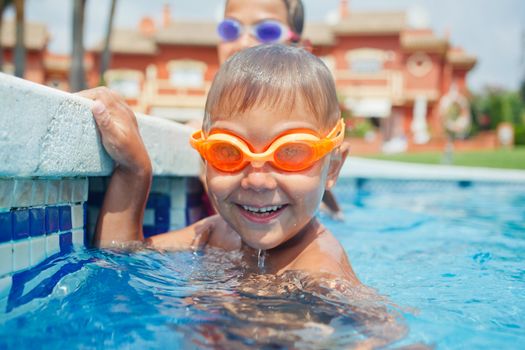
column 275, row 77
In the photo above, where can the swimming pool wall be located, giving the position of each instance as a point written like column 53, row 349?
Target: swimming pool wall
column 54, row 172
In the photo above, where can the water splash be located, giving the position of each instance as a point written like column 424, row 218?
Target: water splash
column 261, row 257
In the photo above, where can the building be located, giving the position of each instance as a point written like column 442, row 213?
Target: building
column 36, row 38
column 405, row 80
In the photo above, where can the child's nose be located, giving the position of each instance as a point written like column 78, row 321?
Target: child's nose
column 259, row 177
column 247, row 40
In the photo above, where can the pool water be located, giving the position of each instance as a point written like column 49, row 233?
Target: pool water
column 455, row 252
column 447, row 260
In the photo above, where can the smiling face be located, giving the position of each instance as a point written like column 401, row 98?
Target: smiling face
column 258, row 95
column 264, row 205
column 248, row 13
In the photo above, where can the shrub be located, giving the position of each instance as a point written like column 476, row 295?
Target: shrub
column 519, row 135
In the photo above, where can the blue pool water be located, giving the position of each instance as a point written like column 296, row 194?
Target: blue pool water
column 447, row 258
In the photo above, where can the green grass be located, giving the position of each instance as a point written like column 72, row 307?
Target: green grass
column 505, row 159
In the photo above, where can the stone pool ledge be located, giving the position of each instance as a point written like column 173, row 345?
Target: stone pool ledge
column 54, row 172
column 47, row 132
column 356, row 167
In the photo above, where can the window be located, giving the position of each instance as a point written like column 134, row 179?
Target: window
column 364, row 65
column 187, row 73
column 367, row 61
column 125, row 82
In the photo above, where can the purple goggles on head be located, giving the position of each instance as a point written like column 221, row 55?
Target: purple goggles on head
column 267, row 31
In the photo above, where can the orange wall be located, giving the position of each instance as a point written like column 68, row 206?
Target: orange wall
column 207, row 55
column 386, row 42
column 431, row 80
column 34, row 69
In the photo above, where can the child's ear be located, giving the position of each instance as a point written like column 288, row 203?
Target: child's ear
column 337, row 160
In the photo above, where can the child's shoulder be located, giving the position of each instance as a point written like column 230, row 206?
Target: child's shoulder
column 325, row 255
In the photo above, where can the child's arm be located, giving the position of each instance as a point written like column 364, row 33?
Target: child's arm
column 122, row 211
column 324, row 255
column 212, row 231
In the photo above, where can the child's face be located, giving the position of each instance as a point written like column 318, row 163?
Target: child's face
column 292, row 198
column 249, row 12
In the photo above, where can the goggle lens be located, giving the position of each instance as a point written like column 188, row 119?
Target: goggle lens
column 225, row 156
column 267, row 31
column 294, row 156
column 296, row 150
column 289, row 157
column 229, row 30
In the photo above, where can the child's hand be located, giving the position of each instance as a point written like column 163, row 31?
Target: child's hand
column 119, row 130
column 122, row 212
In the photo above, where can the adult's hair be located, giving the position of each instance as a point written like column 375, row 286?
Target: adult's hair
column 274, row 77
column 295, row 10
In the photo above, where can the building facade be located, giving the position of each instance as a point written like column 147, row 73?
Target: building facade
column 405, row 80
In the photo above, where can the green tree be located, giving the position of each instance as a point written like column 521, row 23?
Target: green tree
column 522, row 91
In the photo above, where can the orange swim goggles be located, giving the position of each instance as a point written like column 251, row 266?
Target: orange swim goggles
column 296, row 150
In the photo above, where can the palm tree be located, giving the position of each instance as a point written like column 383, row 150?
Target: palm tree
column 106, row 52
column 77, row 78
column 20, row 47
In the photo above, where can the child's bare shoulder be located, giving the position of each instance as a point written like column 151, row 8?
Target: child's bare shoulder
column 325, row 255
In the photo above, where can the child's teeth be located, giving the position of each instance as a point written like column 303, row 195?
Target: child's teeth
column 262, row 210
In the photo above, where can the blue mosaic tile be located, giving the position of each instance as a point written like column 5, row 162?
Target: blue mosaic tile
column 161, row 204
column 162, row 215
column 360, row 182
column 163, row 201
column 52, row 219
column 193, row 199
column 152, row 201
column 149, row 231
column 6, row 227
column 95, row 198
column 20, row 224
column 65, row 218
column 85, row 224
column 37, row 222
column 465, row 183
column 66, row 242
column 32, row 284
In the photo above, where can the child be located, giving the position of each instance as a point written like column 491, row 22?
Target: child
column 271, row 142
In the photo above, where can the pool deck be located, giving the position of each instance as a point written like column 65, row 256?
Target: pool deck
column 380, row 169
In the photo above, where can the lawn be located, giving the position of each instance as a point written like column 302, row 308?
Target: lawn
column 505, row 159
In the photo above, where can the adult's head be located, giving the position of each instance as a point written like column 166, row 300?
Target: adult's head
column 247, row 14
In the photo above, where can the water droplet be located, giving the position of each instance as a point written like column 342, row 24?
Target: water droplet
column 261, row 256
